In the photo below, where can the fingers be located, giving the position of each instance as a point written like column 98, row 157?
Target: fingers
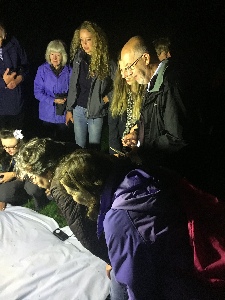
column 2, row 206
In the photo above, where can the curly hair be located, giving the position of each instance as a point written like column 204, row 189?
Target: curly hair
column 99, row 65
column 40, row 155
column 86, row 171
column 120, row 95
column 59, row 47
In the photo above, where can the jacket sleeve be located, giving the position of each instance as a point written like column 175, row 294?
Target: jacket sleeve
column 72, row 86
column 129, row 256
column 76, row 216
column 39, row 87
column 174, row 118
column 116, row 129
column 22, row 63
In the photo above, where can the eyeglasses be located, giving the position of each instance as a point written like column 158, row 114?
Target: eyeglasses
column 132, row 66
column 10, row 147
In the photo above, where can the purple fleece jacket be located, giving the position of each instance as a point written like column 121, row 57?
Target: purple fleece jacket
column 46, row 86
column 135, row 227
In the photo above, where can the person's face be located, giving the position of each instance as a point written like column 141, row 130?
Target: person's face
column 86, row 41
column 164, row 55
column 129, row 78
column 10, row 145
column 55, row 59
column 132, row 64
column 43, row 181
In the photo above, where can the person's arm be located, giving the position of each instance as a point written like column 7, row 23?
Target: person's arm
column 6, row 78
column 7, row 176
column 174, row 118
column 129, row 256
column 72, row 87
column 76, row 216
column 39, row 87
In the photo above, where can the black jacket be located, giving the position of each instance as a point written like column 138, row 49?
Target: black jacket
column 164, row 122
column 76, row 216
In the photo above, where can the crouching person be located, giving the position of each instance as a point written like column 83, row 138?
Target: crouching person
column 12, row 189
column 143, row 222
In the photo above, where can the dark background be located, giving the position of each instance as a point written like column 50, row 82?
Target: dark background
column 196, row 28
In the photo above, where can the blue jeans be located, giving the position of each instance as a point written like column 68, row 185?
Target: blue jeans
column 117, row 290
column 84, row 126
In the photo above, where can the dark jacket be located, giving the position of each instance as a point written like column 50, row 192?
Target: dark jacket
column 96, row 108
column 164, row 120
column 116, row 129
column 14, row 58
column 76, row 216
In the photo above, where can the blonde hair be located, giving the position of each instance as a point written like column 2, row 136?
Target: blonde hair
column 120, row 95
column 59, row 47
column 99, row 64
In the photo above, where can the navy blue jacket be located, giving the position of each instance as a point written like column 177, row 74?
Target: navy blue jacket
column 14, row 58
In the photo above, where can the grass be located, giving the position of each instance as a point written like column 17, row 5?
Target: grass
column 51, row 210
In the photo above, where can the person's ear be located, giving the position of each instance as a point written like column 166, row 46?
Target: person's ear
column 146, row 57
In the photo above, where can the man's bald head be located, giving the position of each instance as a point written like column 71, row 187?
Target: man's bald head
column 136, row 45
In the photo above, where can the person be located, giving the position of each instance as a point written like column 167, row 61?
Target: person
column 13, row 190
column 13, row 72
column 143, row 222
column 37, row 160
column 124, row 109
column 162, row 47
column 169, row 127
column 51, row 85
column 90, row 83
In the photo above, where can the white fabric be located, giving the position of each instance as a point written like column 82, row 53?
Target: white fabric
column 36, row 265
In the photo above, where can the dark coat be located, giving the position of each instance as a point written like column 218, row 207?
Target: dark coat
column 163, row 122
column 96, row 108
column 14, row 58
column 76, row 216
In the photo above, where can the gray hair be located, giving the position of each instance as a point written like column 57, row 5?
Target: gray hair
column 56, row 46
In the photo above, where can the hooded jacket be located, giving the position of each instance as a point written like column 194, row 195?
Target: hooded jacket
column 14, row 58
column 137, row 227
column 96, row 108
column 46, row 86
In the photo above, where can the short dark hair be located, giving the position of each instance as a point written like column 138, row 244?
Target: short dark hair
column 162, row 44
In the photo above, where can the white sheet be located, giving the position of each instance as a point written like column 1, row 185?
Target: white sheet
column 36, row 265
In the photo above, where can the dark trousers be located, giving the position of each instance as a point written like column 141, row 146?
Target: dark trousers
column 17, row 192
column 11, row 121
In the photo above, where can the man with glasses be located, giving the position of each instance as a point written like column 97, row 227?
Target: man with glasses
column 163, row 127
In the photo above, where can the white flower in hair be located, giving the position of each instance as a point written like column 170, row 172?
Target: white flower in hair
column 17, row 134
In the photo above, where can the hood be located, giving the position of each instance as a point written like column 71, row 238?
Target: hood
column 138, row 192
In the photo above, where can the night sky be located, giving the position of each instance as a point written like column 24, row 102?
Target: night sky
column 196, row 28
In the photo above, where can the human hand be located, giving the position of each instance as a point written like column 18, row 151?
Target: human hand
column 11, row 85
column 8, row 77
column 108, row 269
column 60, row 101
column 105, row 99
column 69, row 117
column 130, row 140
column 2, row 205
column 7, row 176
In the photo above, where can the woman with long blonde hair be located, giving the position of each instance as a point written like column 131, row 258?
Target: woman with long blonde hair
column 124, row 109
column 90, row 83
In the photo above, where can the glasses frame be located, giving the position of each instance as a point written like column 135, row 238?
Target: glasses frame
column 12, row 147
column 131, row 67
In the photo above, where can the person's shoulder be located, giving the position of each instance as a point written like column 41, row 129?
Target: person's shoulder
column 44, row 67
